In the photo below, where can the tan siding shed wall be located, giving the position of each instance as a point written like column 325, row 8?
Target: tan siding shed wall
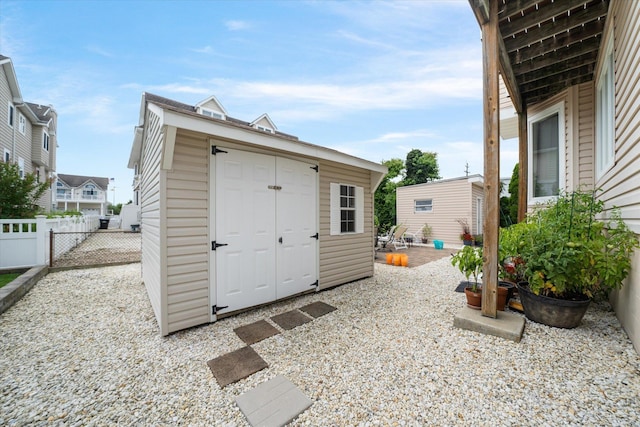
column 451, row 200
column 621, row 184
column 187, row 213
column 347, row 257
column 150, row 185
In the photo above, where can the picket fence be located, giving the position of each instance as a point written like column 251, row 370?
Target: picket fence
column 24, row 243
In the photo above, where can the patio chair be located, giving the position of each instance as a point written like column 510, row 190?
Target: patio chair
column 399, row 241
column 385, row 239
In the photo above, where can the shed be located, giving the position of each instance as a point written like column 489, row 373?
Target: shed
column 236, row 214
column 439, row 204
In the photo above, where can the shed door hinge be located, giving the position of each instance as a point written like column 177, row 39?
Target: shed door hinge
column 215, row 150
column 215, row 245
column 215, row 308
column 315, row 236
column 315, row 168
column 314, row 284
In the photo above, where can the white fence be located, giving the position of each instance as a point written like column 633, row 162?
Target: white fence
column 25, row 242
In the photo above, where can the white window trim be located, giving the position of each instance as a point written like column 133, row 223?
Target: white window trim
column 211, row 113
column 415, row 201
column 45, row 141
column 605, row 154
column 554, row 109
column 10, row 108
column 264, row 128
column 334, row 201
column 21, row 167
column 6, row 155
column 22, row 123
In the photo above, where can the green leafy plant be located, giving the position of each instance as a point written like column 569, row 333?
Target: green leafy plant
column 469, row 262
column 19, row 195
column 426, row 231
column 566, row 251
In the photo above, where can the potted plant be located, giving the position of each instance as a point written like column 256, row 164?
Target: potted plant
column 469, row 262
column 426, row 233
column 465, row 236
column 569, row 257
column 477, row 239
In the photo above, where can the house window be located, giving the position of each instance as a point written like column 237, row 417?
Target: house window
column 210, row 113
column 37, row 175
column 45, row 141
column 347, row 209
column 22, row 124
column 605, row 113
column 546, row 153
column 21, row 166
column 7, row 156
column 89, row 191
column 424, row 205
column 264, row 129
column 11, row 113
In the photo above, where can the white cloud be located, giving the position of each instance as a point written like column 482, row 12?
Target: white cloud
column 235, row 25
column 205, row 49
column 100, row 51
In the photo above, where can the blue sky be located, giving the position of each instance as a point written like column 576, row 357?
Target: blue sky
column 372, row 79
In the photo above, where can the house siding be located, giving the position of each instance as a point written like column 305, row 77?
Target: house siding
column 188, row 249
column 583, row 156
column 347, row 257
column 7, row 132
column 150, row 210
column 451, row 200
column 621, row 184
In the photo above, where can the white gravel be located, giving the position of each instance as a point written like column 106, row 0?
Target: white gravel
column 83, row 348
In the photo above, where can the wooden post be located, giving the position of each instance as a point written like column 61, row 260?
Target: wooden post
column 523, row 160
column 491, row 96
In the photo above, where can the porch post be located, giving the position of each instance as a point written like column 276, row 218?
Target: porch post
column 491, row 97
column 523, row 160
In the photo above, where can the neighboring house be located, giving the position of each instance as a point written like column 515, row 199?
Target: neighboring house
column 572, row 70
column 86, row 194
column 440, row 204
column 236, row 214
column 27, row 131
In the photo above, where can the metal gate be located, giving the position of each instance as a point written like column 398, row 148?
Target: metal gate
column 93, row 249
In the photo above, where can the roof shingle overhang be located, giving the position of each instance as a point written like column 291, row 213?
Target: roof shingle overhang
column 546, row 46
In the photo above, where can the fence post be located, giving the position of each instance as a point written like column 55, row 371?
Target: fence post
column 41, row 246
column 51, row 247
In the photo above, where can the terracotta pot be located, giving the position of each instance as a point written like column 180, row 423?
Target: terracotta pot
column 555, row 312
column 505, row 293
column 474, row 299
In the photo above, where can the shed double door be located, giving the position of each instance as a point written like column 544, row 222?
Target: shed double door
column 265, row 227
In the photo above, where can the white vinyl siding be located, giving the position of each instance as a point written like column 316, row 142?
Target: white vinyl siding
column 546, row 153
column 605, row 112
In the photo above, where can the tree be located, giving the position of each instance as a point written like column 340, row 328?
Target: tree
column 19, row 195
column 421, row 167
column 509, row 205
column 385, row 196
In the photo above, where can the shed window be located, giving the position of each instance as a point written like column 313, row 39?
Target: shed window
column 423, row 205
column 347, row 209
column 605, row 112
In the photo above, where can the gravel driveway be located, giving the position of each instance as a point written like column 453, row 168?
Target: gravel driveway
column 82, row 348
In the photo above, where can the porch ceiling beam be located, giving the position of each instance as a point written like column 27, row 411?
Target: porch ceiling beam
column 571, row 37
column 569, row 67
column 544, row 13
column 548, row 91
column 556, row 27
column 585, row 50
column 585, row 71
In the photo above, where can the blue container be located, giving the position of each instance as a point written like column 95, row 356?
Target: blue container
column 438, row 244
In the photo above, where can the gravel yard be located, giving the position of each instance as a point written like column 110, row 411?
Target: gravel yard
column 82, row 348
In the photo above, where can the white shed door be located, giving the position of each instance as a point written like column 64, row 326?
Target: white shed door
column 265, row 222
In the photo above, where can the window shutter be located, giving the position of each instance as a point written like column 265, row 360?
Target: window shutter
column 359, row 210
column 334, row 202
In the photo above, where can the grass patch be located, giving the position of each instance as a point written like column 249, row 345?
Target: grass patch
column 7, row 278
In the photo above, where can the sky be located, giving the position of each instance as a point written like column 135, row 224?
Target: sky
column 373, row 79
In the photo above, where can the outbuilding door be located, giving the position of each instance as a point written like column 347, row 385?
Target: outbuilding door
column 265, row 229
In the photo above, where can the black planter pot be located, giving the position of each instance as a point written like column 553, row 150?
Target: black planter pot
column 555, row 312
